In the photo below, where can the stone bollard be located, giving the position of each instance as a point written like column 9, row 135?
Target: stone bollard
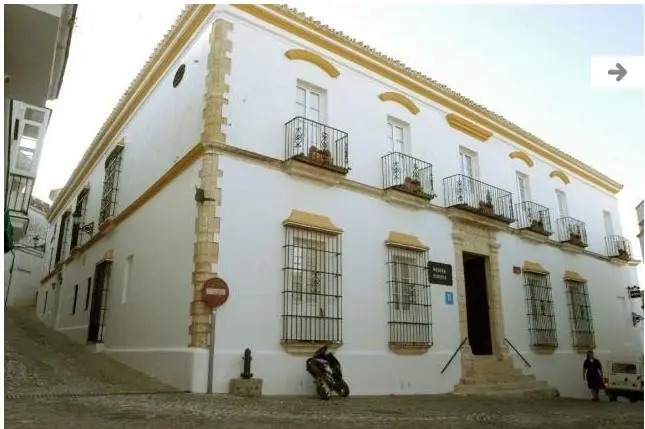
column 246, row 385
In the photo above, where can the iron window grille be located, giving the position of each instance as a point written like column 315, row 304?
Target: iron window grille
column 582, row 332
column 410, row 320
column 312, row 294
column 62, row 234
column 111, row 184
column 542, row 326
column 80, row 210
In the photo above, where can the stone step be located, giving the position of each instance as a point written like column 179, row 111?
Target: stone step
column 493, row 371
column 495, row 379
column 513, row 389
column 508, row 385
column 538, row 392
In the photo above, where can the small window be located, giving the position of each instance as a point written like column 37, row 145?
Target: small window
column 397, row 136
column 580, row 314
column 410, row 321
column 179, row 76
column 523, row 188
column 127, row 277
column 540, row 309
column 75, row 299
column 87, row 293
column 468, row 161
column 111, row 183
column 310, row 102
column 312, row 292
column 563, row 209
column 624, row 368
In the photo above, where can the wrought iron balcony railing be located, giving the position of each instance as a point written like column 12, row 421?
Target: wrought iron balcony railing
column 407, row 174
column 18, row 193
column 572, row 231
column 618, row 247
column 534, row 217
column 478, row 197
column 317, row 144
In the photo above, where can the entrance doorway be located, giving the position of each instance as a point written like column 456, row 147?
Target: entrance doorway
column 99, row 302
column 478, row 316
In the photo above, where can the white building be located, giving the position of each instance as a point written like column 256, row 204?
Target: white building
column 37, row 40
column 329, row 176
column 23, row 265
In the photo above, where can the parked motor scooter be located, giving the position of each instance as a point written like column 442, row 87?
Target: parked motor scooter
column 327, row 374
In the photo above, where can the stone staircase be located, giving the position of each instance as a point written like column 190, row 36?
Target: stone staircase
column 488, row 376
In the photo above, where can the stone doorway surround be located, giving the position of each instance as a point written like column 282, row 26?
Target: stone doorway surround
column 469, row 234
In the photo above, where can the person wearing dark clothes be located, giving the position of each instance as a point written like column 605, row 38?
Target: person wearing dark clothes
column 592, row 372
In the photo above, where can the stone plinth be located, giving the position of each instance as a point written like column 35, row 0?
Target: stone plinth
column 251, row 388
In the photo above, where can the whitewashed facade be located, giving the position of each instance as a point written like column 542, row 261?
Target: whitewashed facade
column 23, row 265
column 324, row 254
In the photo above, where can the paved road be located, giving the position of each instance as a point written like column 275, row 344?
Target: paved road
column 85, row 390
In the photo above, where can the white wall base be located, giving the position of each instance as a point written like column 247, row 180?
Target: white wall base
column 367, row 373
column 183, row 368
column 77, row 334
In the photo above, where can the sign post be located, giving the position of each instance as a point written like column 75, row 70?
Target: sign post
column 214, row 294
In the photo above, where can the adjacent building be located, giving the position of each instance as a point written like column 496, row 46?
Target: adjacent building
column 37, row 40
column 345, row 199
column 23, row 265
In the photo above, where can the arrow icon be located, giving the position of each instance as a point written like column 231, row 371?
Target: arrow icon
column 619, row 71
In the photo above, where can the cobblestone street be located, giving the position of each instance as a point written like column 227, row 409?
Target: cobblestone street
column 53, row 383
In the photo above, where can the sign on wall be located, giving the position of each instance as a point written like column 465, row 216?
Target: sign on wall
column 450, row 299
column 440, row 274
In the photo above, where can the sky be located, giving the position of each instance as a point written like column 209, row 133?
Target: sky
column 529, row 63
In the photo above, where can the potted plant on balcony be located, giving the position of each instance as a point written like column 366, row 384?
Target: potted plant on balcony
column 622, row 252
column 486, row 207
column 412, row 185
column 537, row 225
column 575, row 237
column 319, row 156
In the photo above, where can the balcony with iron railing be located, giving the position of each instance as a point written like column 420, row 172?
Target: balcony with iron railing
column 618, row 247
column 572, row 231
column 407, row 174
column 18, row 193
column 475, row 196
column 317, row 144
column 533, row 217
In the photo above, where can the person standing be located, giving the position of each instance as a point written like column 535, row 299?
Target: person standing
column 592, row 372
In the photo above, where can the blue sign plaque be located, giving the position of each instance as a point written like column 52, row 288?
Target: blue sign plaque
column 449, row 298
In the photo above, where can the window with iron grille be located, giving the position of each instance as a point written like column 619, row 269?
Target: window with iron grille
column 110, row 184
column 409, row 302
column 62, row 237
column 580, row 314
column 540, row 310
column 312, row 294
column 80, row 211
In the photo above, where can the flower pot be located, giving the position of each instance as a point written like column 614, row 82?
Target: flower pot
column 486, row 209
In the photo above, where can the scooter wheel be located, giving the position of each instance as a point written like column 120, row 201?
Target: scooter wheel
column 344, row 389
column 322, row 390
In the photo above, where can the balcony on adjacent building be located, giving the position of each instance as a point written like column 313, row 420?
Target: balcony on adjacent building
column 533, row 217
column 18, row 193
column 572, row 231
column 618, row 247
column 316, row 144
column 475, row 196
column 407, row 174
